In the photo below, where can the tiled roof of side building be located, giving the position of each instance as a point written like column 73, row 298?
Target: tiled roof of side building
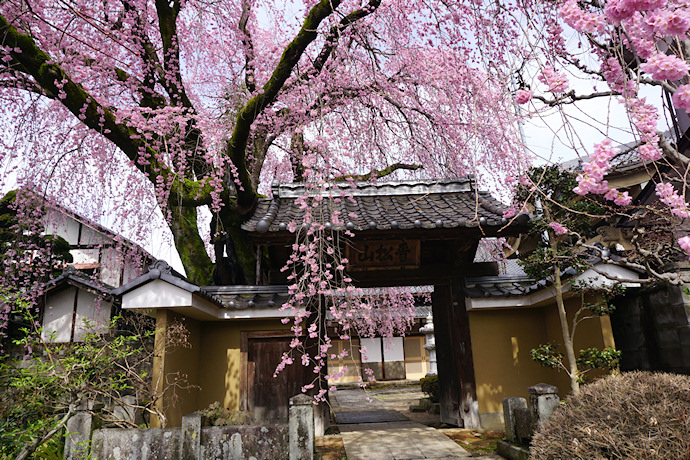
column 430, row 204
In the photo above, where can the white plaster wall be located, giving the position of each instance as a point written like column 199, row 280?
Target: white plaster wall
column 59, row 224
column 91, row 236
column 393, row 349
column 131, row 272
column 57, row 317
column 85, row 256
column 93, row 315
column 373, row 347
column 111, row 266
column 157, row 293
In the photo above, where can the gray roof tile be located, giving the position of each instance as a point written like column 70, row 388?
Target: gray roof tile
column 383, row 206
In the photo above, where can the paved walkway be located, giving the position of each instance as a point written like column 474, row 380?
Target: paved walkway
column 370, row 432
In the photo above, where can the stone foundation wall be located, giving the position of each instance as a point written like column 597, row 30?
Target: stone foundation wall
column 652, row 330
column 293, row 441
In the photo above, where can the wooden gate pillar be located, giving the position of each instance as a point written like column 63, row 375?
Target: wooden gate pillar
column 458, row 396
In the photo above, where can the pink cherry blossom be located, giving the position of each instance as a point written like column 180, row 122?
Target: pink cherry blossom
column 581, row 20
column 557, row 228
column 681, row 97
column 669, row 22
column 684, row 243
column 523, row 96
column 556, row 81
column 665, row 67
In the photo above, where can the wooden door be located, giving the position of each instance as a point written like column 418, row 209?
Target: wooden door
column 268, row 396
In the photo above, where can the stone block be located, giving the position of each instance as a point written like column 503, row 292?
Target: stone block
column 667, row 337
column 128, row 410
column 524, row 428
column 245, row 442
column 191, row 437
column 509, row 407
column 543, row 400
column 512, row 451
column 301, row 428
column 79, row 428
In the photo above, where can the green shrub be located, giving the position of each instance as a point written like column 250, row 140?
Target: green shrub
column 634, row 415
column 430, row 387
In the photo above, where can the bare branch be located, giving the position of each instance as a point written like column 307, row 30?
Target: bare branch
column 378, row 173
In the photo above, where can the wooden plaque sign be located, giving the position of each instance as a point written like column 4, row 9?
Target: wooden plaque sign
column 383, row 254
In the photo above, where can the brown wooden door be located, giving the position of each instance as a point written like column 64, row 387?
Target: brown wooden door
column 268, row 396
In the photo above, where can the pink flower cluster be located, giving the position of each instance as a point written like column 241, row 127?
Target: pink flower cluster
column 645, row 117
column 580, row 20
column 619, row 198
column 592, row 178
column 681, row 98
column 618, row 10
column 665, row 67
column 523, row 96
column 556, row 81
column 558, row 229
column 649, row 152
column 667, row 22
column 684, row 243
column 616, row 78
column 668, row 195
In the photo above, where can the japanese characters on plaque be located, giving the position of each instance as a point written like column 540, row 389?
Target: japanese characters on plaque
column 384, row 254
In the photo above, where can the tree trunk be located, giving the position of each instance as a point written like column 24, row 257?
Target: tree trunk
column 565, row 329
column 190, row 246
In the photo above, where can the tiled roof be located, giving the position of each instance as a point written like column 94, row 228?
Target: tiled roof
column 71, row 275
column 501, row 286
column 424, row 205
column 507, row 285
column 244, row 297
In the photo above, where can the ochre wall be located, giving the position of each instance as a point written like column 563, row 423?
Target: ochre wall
column 220, row 359
column 501, row 344
column 182, row 360
column 211, row 363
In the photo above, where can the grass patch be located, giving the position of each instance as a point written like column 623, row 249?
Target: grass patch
column 474, row 441
column 330, row 447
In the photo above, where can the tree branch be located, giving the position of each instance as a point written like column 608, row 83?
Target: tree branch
column 249, row 72
column 237, row 144
column 570, row 97
column 378, row 173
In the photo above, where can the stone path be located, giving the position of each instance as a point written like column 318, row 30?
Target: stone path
column 370, row 432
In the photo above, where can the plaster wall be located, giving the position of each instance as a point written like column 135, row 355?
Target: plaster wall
column 57, row 317
column 57, row 223
column 592, row 332
column 501, row 344
column 211, row 363
column 171, row 363
column 92, row 315
column 157, row 293
column 219, row 363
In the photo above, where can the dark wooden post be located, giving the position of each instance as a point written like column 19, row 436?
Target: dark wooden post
column 454, row 356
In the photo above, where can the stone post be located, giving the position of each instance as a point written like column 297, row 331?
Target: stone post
column 190, row 447
column 543, row 400
column 79, row 428
column 301, row 427
column 510, row 406
column 428, row 331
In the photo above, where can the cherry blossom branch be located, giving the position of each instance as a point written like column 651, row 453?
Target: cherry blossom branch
column 237, row 144
column 250, row 70
column 378, row 173
column 570, row 97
